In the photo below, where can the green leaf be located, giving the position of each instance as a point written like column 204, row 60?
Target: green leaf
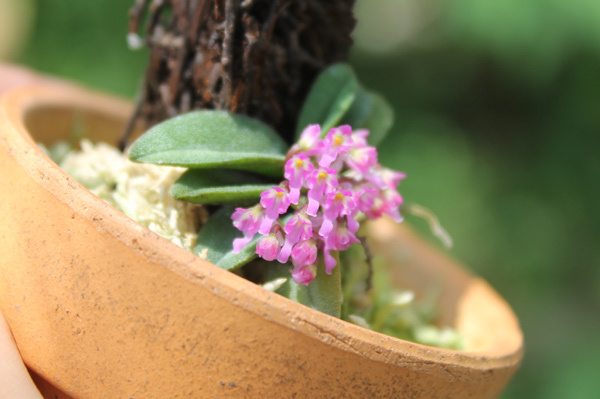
column 215, row 242
column 329, row 99
column 372, row 112
column 209, row 139
column 220, row 186
column 324, row 293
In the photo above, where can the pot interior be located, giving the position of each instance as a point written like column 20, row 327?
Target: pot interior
column 50, row 123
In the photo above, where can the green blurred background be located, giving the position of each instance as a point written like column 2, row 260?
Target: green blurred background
column 497, row 122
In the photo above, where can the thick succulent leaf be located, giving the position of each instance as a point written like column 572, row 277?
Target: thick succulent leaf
column 215, row 242
column 329, row 99
column 220, row 186
column 372, row 112
column 324, row 293
column 209, row 139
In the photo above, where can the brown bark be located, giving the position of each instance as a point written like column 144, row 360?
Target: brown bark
column 254, row 57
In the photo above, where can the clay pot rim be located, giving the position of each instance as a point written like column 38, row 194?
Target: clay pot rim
column 14, row 107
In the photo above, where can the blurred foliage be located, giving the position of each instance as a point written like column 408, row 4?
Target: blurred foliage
column 497, row 125
column 85, row 41
column 15, row 24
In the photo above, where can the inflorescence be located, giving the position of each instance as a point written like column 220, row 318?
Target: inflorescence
column 330, row 183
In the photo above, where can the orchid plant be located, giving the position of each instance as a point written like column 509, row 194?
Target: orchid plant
column 295, row 208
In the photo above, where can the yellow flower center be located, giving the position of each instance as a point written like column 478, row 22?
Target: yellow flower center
column 322, row 175
column 337, row 140
column 299, row 163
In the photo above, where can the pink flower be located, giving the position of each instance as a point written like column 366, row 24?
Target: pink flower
column 340, row 203
column 268, row 246
column 393, row 200
column 337, row 141
column 330, row 261
column 341, row 238
column 303, row 275
column 297, row 170
column 359, row 138
column 366, row 198
column 321, row 182
column 239, row 243
column 391, row 178
column 298, row 228
column 248, row 221
column 352, row 223
column 275, row 201
column 361, row 159
column 309, row 142
column 376, row 204
column 304, row 253
column 384, row 178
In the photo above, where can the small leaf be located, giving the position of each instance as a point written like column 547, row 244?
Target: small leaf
column 372, row 112
column 324, row 293
column 220, row 186
column 209, row 139
column 215, row 242
column 329, row 98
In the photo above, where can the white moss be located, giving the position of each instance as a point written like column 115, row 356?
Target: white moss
column 140, row 191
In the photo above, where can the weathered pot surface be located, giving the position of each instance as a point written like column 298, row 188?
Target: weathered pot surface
column 102, row 307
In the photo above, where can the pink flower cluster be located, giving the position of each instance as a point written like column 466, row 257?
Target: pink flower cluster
column 329, row 183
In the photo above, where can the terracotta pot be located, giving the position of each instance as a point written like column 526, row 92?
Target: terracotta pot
column 102, row 307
